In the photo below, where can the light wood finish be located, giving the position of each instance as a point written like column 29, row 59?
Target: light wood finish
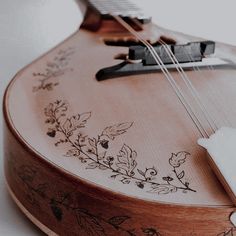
column 161, row 183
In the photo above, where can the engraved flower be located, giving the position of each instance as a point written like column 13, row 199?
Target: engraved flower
column 178, row 159
column 104, row 143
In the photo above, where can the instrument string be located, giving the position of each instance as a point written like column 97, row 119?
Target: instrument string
column 168, row 76
column 188, row 84
column 223, row 120
column 211, row 122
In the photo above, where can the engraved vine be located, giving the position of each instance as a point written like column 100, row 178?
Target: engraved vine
column 89, row 223
column 55, row 68
column 93, row 152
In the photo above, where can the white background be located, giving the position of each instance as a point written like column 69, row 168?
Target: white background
column 29, row 28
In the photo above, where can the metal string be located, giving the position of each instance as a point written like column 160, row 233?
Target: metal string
column 169, row 77
column 211, row 122
column 211, row 69
column 224, row 119
column 191, row 88
column 188, row 83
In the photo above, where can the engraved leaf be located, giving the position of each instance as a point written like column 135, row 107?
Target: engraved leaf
column 56, row 210
column 102, row 167
column 126, row 159
column 118, row 220
column 76, row 122
column 114, row 176
column 181, row 175
column 67, row 126
column 122, row 166
column 62, row 106
column 141, row 172
column 112, row 131
column 125, row 181
column 73, row 152
column 150, row 232
column 89, row 223
column 82, row 119
column 163, row 189
column 178, row 159
column 92, row 165
column 92, row 142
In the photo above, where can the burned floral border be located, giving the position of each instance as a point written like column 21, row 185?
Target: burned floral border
column 123, row 166
column 55, row 68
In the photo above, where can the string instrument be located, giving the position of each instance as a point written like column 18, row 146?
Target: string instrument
column 101, row 132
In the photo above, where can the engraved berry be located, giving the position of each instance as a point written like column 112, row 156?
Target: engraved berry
column 140, row 185
column 110, row 159
column 51, row 133
column 168, row 178
column 104, row 143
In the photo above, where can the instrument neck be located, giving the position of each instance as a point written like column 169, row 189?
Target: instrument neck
column 124, row 8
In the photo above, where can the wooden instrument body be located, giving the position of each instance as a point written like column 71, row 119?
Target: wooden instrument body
column 69, row 204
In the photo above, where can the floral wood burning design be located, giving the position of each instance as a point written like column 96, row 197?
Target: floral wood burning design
column 93, row 152
column 61, row 203
column 55, row 68
column 64, row 202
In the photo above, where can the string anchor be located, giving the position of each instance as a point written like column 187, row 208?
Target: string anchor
column 139, row 59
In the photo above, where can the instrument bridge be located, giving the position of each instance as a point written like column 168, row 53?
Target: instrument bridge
column 140, row 60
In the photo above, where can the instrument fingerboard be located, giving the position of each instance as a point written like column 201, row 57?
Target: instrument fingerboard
column 123, row 8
